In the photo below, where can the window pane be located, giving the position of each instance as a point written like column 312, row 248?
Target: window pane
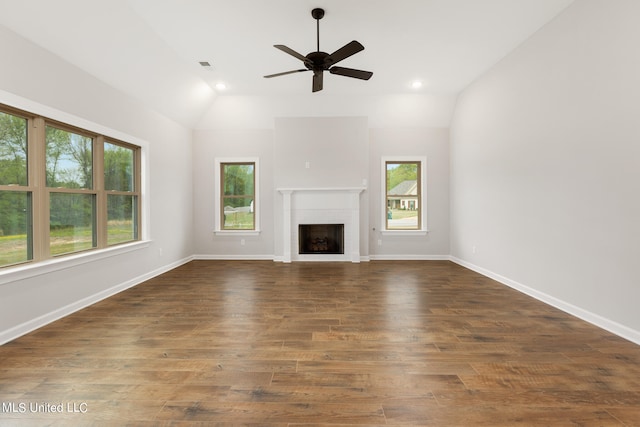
column 238, row 213
column 13, row 150
column 237, row 179
column 15, row 227
column 118, row 168
column 403, row 204
column 402, row 177
column 69, row 159
column 121, row 219
column 72, row 222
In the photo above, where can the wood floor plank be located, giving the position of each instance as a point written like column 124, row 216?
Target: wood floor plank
column 384, row 343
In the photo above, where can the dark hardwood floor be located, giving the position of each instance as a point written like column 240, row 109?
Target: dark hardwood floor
column 222, row 343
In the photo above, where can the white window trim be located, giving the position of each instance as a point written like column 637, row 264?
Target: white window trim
column 423, row 200
column 256, row 200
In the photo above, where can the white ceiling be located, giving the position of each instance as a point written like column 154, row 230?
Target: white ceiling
column 150, row 49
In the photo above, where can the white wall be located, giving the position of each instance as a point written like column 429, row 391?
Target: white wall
column 285, row 132
column 259, row 112
column 432, row 144
column 209, row 144
column 321, row 152
column 545, row 155
column 336, row 151
column 38, row 78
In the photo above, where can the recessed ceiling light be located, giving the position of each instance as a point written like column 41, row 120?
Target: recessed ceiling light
column 417, row 84
column 221, row 86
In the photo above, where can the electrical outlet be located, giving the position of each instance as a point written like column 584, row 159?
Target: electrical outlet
column 379, row 242
column 242, row 242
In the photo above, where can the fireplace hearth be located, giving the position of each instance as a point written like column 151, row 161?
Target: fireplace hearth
column 318, row 239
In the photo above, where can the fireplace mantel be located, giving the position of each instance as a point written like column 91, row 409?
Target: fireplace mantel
column 321, row 205
column 357, row 190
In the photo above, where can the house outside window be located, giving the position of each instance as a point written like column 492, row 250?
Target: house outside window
column 237, row 195
column 403, row 186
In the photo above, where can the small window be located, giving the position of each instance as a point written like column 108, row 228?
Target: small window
column 403, row 195
column 237, row 195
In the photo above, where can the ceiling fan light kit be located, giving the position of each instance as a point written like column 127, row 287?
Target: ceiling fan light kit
column 319, row 61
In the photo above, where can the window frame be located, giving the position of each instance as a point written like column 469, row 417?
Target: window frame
column 219, row 195
column 422, row 195
column 38, row 117
column 136, row 192
column 93, row 191
column 30, row 187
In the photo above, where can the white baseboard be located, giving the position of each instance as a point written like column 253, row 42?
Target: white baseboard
column 595, row 319
column 363, row 258
column 409, row 257
column 251, row 258
column 38, row 322
column 234, row 257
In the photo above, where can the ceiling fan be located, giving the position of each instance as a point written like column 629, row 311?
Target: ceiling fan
column 318, row 61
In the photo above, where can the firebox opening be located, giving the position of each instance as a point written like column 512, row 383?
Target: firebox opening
column 320, row 239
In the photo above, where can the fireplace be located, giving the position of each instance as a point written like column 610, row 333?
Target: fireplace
column 320, row 206
column 321, row 239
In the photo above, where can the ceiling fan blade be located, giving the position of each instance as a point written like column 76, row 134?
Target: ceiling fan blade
column 285, row 73
column 344, row 52
column 317, row 81
column 290, row 52
column 350, row 72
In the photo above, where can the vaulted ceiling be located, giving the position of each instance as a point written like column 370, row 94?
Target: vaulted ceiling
column 151, row 49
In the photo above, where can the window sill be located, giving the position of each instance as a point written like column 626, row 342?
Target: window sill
column 236, row 232
column 404, row 232
column 26, row 271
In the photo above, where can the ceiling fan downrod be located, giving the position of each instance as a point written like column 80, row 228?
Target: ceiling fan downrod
column 317, row 14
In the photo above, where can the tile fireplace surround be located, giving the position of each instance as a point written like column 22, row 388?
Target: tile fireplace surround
column 321, row 206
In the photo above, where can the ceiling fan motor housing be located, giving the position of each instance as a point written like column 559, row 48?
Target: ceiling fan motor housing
column 316, row 61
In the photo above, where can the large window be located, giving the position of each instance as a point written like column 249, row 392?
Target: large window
column 237, row 195
column 403, row 194
column 62, row 189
